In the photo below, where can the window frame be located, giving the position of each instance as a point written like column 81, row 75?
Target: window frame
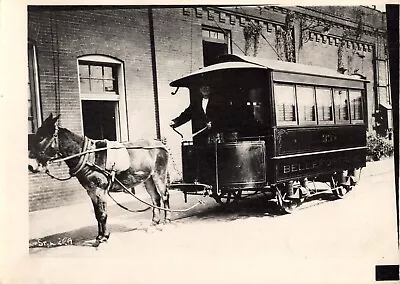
column 356, row 121
column 341, row 121
column 306, row 122
column 33, row 91
column 226, row 41
column 325, row 122
column 284, row 122
column 119, row 97
column 386, row 84
column 318, row 122
column 227, row 36
column 91, row 78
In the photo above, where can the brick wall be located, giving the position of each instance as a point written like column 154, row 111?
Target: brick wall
column 69, row 34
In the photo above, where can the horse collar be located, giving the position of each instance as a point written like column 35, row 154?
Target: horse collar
column 82, row 159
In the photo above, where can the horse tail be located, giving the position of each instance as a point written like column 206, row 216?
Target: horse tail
column 171, row 158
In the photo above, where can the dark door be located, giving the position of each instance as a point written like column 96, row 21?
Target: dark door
column 99, row 119
column 211, row 50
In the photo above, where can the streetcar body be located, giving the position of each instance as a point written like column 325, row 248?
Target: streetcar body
column 276, row 124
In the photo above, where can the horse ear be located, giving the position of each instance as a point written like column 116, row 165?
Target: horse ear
column 48, row 119
column 56, row 118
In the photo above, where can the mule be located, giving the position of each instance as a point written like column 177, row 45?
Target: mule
column 147, row 164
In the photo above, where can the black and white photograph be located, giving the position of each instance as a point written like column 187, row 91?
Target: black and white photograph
column 183, row 143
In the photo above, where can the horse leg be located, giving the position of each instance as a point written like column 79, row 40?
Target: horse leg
column 160, row 183
column 155, row 197
column 98, row 197
column 96, row 213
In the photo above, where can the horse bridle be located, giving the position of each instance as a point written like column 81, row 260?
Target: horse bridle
column 53, row 141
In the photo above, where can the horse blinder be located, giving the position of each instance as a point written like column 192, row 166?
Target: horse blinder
column 49, row 151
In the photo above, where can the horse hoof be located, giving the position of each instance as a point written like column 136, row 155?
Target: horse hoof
column 102, row 238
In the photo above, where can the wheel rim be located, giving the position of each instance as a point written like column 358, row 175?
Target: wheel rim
column 341, row 191
column 227, row 197
column 288, row 206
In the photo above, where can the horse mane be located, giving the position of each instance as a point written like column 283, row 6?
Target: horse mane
column 70, row 142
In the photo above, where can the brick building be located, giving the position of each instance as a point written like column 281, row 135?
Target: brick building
column 106, row 70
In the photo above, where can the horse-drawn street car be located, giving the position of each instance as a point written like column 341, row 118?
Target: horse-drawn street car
column 279, row 128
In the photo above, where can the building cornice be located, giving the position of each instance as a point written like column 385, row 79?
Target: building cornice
column 277, row 17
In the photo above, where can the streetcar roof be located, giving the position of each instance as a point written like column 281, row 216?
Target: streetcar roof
column 230, row 61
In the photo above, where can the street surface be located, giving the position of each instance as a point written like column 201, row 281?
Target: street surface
column 326, row 241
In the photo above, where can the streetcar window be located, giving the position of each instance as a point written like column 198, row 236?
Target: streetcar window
column 306, row 105
column 254, row 106
column 324, row 105
column 356, row 111
column 285, row 104
column 340, row 99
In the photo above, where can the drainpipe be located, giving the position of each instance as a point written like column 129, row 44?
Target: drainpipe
column 154, row 71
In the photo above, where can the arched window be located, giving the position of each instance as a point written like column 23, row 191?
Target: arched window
column 101, row 85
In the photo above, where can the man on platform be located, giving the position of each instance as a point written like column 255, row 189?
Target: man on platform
column 199, row 112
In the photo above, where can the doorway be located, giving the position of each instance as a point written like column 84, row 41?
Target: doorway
column 216, row 42
column 99, row 119
column 212, row 50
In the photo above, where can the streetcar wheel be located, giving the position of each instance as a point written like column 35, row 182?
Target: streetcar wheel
column 288, row 205
column 226, row 198
column 341, row 191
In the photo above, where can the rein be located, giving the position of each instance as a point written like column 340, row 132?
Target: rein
column 57, row 178
column 109, row 175
column 83, row 158
column 151, row 205
column 56, row 160
column 112, row 178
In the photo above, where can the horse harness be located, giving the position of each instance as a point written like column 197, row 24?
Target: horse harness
column 87, row 148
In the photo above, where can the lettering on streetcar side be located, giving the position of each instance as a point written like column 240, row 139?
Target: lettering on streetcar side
column 319, row 164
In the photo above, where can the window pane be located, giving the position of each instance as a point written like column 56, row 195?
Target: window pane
column 213, row 34
column 31, row 126
column 85, row 86
column 97, row 78
column 306, row 104
column 341, row 108
column 108, row 74
column 96, row 72
column 254, row 113
column 285, row 104
column 109, row 86
column 206, row 33
column 355, row 105
column 383, row 95
column 382, row 73
column 325, row 104
column 83, row 71
column 96, row 86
